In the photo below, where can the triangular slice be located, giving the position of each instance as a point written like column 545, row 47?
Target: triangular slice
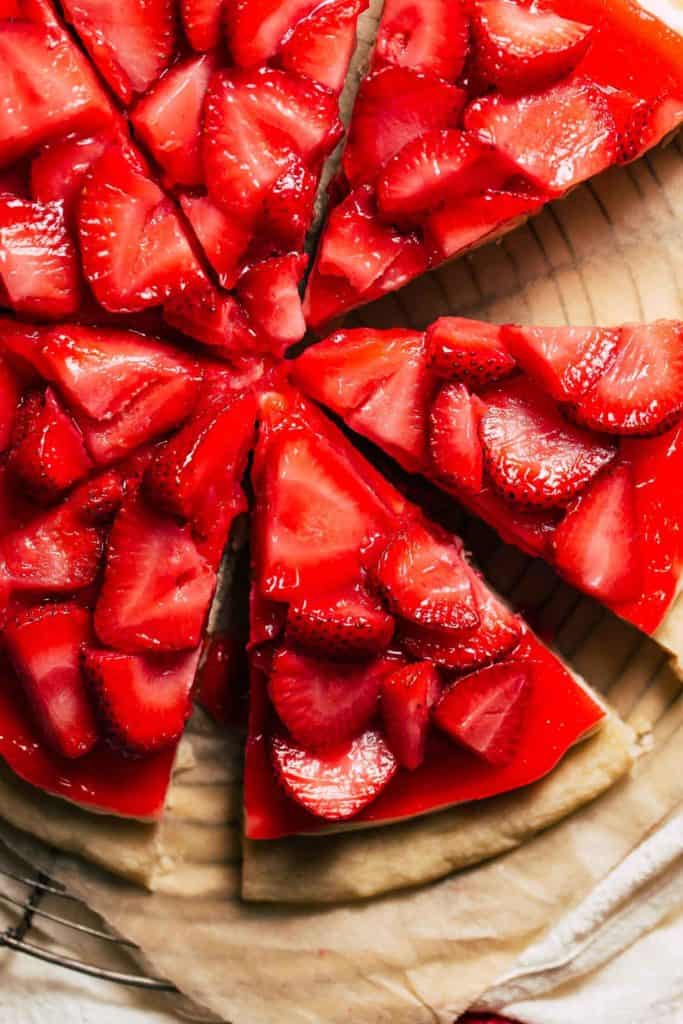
column 472, row 117
column 344, row 733
column 568, row 440
column 121, row 479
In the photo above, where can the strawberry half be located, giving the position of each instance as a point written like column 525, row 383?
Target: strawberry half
column 596, row 544
column 533, row 455
column 485, row 710
column 336, row 783
column 454, row 443
column 641, row 390
column 521, row 49
column 214, row 318
column 270, row 293
column 321, row 45
column 344, row 627
column 57, row 172
column 475, row 219
column 48, row 453
column 426, row 581
column 557, row 138
column 135, row 251
column 44, row 644
column 223, row 239
column 55, row 552
column 394, row 106
column 288, row 210
column 143, row 701
column 202, row 23
column 468, row 350
column 431, row 36
column 408, row 696
column 156, row 588
column 323, row 703
column 257, row 29
column 566, row 361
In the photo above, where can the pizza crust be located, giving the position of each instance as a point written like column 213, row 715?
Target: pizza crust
column 361, row 864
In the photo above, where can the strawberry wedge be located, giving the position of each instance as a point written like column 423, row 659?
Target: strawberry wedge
column 121, row 481
column 567, row 440
column 472, row 117
column 387, row 680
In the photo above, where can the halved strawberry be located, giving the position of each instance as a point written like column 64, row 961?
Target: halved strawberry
column 9, row 401
column 288, row 209
column 55, row 552
column 156, row 588
column 321, row 45
column 135, row 251
column 317, row 517
column 168, row 119
column 566, row 361
column 468, row 350
column 257, row 28
column 346, row 626
column 496, row 635
column 253, row 122
column 485, row 710
column 429, row 36
column 336, row 783
column 202, row 23
column 558, row 137
column 596, row 544
column 533, row 455
column 408, row 696
column 270, row 293
column 323, row 703
column 438, row 167
column 641, row 125
column 521, row 49
column 44, row 644
column 223, row 239
column 476, row 219
column 99, row 498
column 454, row 443
column 214, row 318
column 38, row 259
column 426, row 581
column 131, row 42
column 48, row 452
column 48, row 87
column 395, row 105
column 641, row 389
column 57, row 172
column 143, row 700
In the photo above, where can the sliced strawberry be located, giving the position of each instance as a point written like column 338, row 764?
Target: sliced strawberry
column 476, row 219
column 270, row 293
column 596, row 544
column 468, row 350
column 168, row 119
column 223, row 239
column 641, row 125
column 558, row 138
column 521, row 49
column 98, row 499
column 408, row 696
column 48, row 453
column 9, row 401
column 214, row 318
column 439, row 166
column 38, row 260
column 317, row 516
column 641, row 390
column 485, row 710
column 429, row 36
column 134, row 248
column 323, row 703
column 349, row 626
column 202, row 23
column 288, row 209
column 321, row 45
column 533, row 455
column 54, row 552
column 48, row 88
column 57, row 172
column 338, row 782
column 131, row 42
column 143, row 700
column 426, row 581
column 44, row 644
column 496, row 635
column 256, row 30
column 395, row 106
column 566, row 361
column 253, row 121
column 156, row 588
column 454, row 443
